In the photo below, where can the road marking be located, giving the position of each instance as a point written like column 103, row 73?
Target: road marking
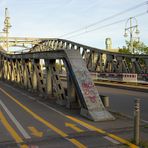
column 98, row 130
column 49, row 125
column 18, row 125
column 111, row 140
column 91, row 127
column 12, row 132
column 35, row 132
column 77, row 143
column 73, row 126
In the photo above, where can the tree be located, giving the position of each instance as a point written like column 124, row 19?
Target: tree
column 139, row 48
column 124, row 50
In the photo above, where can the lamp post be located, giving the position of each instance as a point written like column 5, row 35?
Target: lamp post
column 131, row 29
column 7, row 26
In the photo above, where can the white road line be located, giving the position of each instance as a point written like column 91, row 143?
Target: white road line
column 111, row 140
column 18, row 125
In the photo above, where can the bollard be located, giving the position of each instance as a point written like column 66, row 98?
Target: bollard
column 105, row 100
column 137, row 122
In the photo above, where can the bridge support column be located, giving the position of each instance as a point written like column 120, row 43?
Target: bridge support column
column 34, row 77
column 25, row 74
column 71, row 93
column 48, row 78
column 91, row 104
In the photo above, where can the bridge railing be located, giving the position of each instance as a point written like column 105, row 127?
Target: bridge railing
column 98, row 60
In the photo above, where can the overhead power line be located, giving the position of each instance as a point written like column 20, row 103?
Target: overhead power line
column 107, row 25
column 105, row 19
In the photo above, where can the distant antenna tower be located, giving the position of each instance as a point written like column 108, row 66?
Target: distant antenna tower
column 7, row 26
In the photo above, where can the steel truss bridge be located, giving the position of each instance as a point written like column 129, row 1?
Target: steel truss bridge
column 25, row 69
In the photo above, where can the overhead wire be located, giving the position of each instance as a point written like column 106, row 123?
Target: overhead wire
column 105, row 19
column 107, row 25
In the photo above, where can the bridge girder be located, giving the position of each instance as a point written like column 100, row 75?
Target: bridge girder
column 97, row 60
column 26, row 70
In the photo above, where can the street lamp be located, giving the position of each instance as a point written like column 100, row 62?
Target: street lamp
column 7, row 26
column 131, row 29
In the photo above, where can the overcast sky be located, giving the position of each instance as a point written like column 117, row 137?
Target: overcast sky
column 54, row 18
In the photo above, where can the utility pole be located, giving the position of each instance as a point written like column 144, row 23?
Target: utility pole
column 132, row 29
column 7, row 26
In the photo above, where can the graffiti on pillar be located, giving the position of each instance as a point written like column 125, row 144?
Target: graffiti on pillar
column 88, row 89
column 87, row 85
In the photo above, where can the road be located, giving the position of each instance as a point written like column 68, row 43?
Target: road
column 26, row 122
column 122, row 101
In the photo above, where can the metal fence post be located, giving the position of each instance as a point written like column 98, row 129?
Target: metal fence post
column 137, row 122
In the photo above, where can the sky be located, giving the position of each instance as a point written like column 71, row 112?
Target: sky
column 55, row 18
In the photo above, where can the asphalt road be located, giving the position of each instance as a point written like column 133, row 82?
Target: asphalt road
column 26, row 122
column 122, row 101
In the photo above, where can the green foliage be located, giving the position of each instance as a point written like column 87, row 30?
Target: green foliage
column 124, row 50
column 139, row 48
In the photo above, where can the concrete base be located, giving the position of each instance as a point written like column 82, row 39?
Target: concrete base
column 97, row 115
